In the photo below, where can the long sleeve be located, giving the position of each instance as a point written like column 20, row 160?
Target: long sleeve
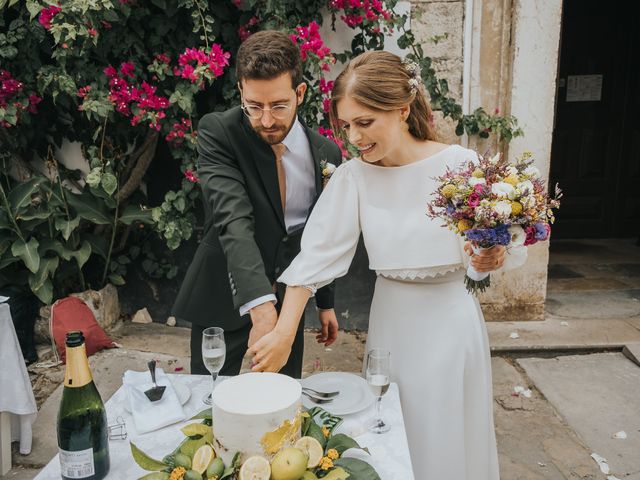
column 223, row 188
column 330, row 236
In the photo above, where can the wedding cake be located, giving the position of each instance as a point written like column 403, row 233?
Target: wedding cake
column 255, row 414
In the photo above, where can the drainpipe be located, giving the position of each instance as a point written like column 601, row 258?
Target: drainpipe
column 467, row 42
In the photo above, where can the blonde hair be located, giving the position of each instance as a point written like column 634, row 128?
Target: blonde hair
column 379, row 80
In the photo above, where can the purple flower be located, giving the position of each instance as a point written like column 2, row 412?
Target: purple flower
column 542, row 231
column 488, row 237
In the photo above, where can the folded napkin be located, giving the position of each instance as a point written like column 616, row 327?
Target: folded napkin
column 147, row 415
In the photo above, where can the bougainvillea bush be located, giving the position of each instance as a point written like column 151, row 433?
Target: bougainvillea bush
column 127, row 81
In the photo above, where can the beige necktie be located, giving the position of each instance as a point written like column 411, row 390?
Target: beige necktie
column 279, row 149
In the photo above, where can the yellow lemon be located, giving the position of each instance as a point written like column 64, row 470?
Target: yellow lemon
column 202, row 458
column 255, row 468
column 288, row 464
column 311, row 447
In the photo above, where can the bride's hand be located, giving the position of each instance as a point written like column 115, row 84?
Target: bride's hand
column 271, row 352
column 486, row 260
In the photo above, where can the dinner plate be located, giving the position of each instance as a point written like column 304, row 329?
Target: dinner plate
column 182, row 391
column 354, row 396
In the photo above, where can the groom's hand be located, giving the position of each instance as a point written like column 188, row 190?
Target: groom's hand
column 264, row 318
column 329, row 323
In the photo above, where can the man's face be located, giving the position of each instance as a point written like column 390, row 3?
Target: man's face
column 276, row 97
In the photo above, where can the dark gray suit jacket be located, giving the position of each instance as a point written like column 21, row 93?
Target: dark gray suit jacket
column 245, row 244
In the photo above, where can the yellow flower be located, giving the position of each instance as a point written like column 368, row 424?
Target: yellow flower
column 326, row 463
column 478, row 173
column 512, row 180
column 464, row 225
column 516, row 208
column 325, row 432
column 177, row 473
column 333, row 454
column 448, row 190
column 326, row 172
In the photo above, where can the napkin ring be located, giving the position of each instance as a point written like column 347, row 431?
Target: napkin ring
column 117, row 430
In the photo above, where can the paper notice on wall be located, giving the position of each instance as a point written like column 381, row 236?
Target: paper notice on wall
column 584, row 88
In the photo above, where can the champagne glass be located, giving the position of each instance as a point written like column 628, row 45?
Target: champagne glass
column 213, row 355
column 377, row 372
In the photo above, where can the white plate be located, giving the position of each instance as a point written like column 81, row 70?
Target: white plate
column 182, row 391
column 354, row 396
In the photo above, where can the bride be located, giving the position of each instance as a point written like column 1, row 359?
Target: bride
column 421, row 311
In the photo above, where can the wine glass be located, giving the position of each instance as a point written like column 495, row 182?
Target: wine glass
column 377, row 372
column 213, row 355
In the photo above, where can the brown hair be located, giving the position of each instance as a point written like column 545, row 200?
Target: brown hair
column 268, row 54
column 379, row 81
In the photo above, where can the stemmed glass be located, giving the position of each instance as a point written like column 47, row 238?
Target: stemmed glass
column 213, row 354
column 377, row 372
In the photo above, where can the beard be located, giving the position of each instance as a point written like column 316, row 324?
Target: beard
column 277, row 133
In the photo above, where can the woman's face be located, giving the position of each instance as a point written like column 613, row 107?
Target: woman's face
column 376, row 134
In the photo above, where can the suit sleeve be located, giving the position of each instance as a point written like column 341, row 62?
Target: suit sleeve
column 325, row 296
column 223, row 187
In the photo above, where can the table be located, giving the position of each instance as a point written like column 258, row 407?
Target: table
column 17, row 404
column 389, row 451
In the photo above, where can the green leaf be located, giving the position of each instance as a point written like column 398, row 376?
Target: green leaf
column 357, row 469
column 20, row 196
column 156, row 476
column 145, row 461
column 82, row 254
column 133, row 213
column 99, row 244
column 48, row 266
column 89, row 208
column 35, row 215
column 116, row 279
column 109, row 183
column 45, row 292
column 341, row 442
column 66, row 227
column 50, row 245
column 204, row 414
column 28, row 252
column 5, row 262
column 33, row 8
column 4, row 221
column 315, row 431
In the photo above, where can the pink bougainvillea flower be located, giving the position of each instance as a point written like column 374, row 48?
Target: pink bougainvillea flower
column 47, row 14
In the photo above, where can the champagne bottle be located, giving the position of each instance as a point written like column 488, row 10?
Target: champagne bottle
column 82, row 421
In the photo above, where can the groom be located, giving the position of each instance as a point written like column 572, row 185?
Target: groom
column 259, row 169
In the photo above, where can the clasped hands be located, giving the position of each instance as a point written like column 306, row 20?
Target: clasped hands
column 488, row 259
column 270, row 346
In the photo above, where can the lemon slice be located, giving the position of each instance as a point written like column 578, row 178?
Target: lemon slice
column 312, row 448
column 255, row 468
column 202, row 458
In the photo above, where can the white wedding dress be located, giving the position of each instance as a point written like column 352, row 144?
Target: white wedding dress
column 420, row 312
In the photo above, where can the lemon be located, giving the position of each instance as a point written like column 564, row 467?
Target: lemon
column 255, row 468
column 289, row 464
column 215, row 469
column 311, row 447
column 202, row 458
column 182, row 460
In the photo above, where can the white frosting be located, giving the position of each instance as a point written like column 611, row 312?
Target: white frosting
column 247, row 406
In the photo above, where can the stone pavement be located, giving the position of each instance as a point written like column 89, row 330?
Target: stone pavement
column 577, row 390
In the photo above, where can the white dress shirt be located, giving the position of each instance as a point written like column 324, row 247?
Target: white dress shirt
column 300, row 190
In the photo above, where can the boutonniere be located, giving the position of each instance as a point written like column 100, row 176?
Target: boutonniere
column 327, row 170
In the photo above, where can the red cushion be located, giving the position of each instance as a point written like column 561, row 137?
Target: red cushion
column 72, row 313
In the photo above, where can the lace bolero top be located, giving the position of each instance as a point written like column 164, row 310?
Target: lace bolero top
column 388, row 206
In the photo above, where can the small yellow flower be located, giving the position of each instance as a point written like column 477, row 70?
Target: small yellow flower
column 477, row 173
column 516, row 208
column 448, row 190
column 326, row 172
column 333, row 454
column 464, row 225
column 325, row 432
column 177, row 473
column 526, row 155
column 512, row 180
column 326, row 463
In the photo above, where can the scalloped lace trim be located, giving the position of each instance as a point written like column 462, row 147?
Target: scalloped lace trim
column 420, row 273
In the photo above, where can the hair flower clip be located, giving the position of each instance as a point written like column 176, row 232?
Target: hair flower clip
column 413, row 69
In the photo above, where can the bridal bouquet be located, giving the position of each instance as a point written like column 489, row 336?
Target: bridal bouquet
column 492, row 202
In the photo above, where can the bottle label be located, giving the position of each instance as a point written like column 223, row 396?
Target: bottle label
column 78, row 464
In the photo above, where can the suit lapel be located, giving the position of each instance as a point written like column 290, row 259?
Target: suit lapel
column 265, row 163
column 317, row 152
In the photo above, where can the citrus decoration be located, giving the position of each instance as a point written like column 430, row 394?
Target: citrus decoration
column 312, row 448
column 255, row 468
column 289, row 464
column 202, row 458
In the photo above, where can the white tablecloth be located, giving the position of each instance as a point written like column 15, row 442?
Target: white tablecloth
column 389, row 451
column 16, row 394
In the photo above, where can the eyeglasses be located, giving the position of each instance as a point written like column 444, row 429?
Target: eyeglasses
column 278, row 112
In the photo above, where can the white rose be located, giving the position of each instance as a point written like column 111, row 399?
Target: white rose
column 473, row 181
column 503, row 189
column 532, row 171
column 503, row 208
column 511, row 170
column 525, row 186
column 517, row 235
column 330, row 168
